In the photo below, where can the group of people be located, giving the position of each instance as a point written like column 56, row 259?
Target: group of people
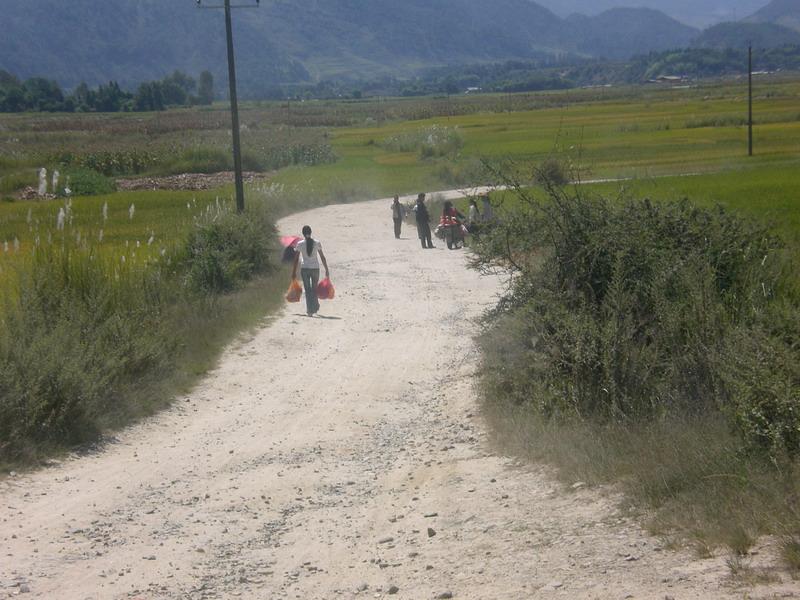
column 451, row 220
column 308, row 254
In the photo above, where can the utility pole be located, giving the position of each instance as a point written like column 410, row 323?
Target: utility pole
column 750, row 100
column 237, row 148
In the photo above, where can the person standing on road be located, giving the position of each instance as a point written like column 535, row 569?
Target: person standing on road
column 451, row 221
column 398, row 212
column 473, row 216
column 423, row 222
column 488, row 212
column 308, row 253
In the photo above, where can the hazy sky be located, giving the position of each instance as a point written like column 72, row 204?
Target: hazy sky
column 699, row 13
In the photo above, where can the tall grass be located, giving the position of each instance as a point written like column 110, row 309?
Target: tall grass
column 87, row 335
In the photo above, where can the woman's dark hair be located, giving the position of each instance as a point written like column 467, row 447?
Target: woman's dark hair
column 309, row 239
column 447, row 206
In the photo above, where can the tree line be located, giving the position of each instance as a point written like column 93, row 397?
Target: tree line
column 541, row 73
column 38, row 94
column 553, row 73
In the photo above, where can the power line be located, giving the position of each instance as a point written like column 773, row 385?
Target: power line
column 750, row 100
column 237, row 149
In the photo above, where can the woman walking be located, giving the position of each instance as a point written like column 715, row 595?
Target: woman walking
column 308, row 254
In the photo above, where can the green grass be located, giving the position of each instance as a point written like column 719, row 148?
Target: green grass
column 164, row 217
column 642, row 134
column 769, row 192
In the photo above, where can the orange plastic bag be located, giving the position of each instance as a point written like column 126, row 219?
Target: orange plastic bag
column 294, row 292
column 325, row 290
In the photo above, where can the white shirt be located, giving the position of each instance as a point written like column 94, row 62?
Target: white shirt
column 308, row 261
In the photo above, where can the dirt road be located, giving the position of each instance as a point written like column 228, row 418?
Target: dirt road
column 334, row 457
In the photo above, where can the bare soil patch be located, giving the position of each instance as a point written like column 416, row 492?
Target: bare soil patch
column 186, row 181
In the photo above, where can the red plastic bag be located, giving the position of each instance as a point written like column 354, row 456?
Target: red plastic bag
column 294, row 292
column 325, row 290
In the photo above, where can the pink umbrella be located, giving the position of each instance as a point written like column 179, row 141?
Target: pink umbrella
column 289, row 242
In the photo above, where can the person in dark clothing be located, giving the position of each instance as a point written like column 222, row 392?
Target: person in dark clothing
column 423, row 222
column 398, row 212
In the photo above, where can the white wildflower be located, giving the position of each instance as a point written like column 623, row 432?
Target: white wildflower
column 61, row 219
column 105, row 212
column 16, row 245
column 131, row 210
column 56, row 176
column 100, row 236
column 151, row 240
column 42, row 181
column 30, row 217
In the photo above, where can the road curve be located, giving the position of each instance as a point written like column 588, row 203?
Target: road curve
column 334, row 457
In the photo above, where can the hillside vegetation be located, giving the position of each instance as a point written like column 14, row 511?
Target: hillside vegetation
column 291, row 42
column 779, row 12
column 741, row 35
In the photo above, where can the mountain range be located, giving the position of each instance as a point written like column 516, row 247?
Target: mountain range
column 779, row 12
column 292, row 41
column 697, row 13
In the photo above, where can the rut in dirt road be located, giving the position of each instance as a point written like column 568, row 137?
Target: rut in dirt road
column 334, row 457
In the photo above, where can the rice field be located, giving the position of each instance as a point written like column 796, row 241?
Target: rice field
column 659, row 132
column 379, row 147
column 136, row 229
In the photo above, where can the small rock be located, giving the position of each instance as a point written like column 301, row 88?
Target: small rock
column 24, row 589
column 445, row 595
column 385, row 540
column 578, row 485
column 431, row 532
column 362, row 588
column 431, row 515
column 393, row 590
